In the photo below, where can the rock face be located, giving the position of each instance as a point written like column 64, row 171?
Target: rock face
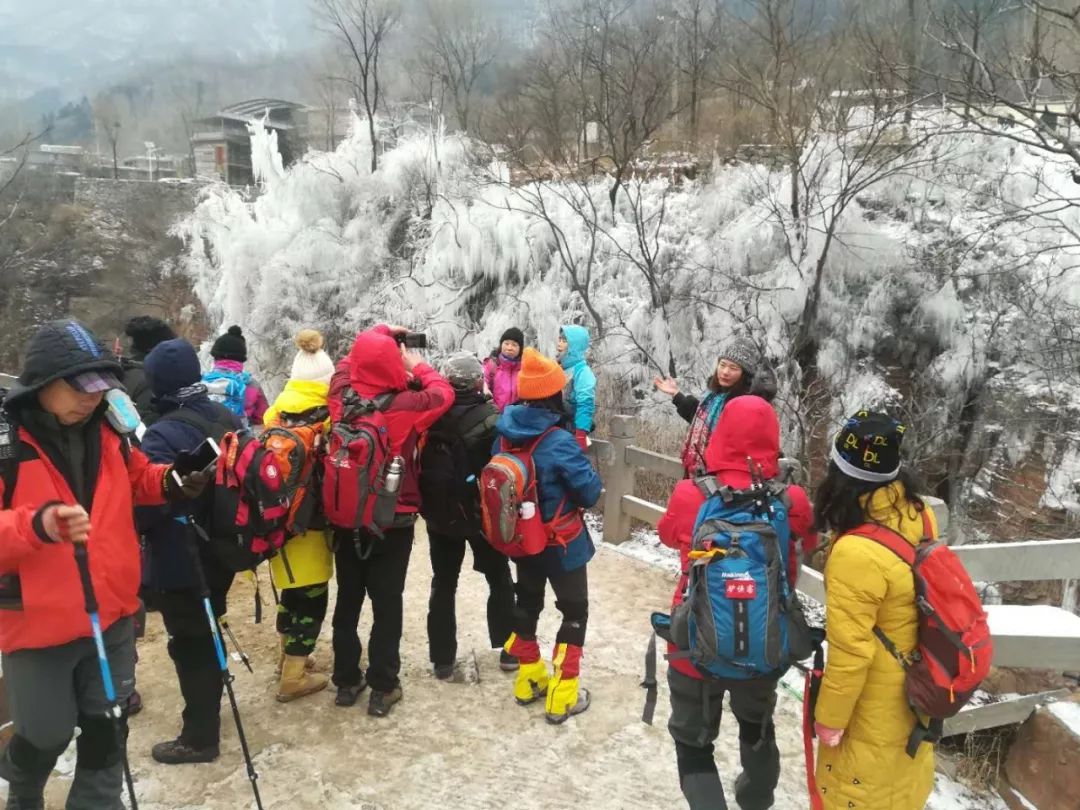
column 1044, row 762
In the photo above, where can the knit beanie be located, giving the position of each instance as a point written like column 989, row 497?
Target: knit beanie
column 146, row 332
column 867, row 448
column 311, row 362
column 540, row 377
column 230, row 346
column 744, row 353
column 172, row 365
column 514, row 334
column 464, row 372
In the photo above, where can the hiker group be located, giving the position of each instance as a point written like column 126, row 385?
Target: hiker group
column 116, row 463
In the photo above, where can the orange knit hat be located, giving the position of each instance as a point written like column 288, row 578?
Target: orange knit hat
column 540, row 377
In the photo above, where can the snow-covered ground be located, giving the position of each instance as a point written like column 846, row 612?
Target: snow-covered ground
column 453, row 745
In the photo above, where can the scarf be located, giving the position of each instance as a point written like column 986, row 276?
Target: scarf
column 701, row 428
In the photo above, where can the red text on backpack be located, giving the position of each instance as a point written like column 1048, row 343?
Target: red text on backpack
column 508, row 481
column 954, row 649
column 354, row 465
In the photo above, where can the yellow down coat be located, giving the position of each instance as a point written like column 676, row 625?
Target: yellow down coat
column 862, row 690
column 308, row 554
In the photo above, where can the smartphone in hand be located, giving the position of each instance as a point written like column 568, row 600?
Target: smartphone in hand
column 201, row 458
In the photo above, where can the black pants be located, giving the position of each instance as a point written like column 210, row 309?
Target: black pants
column 191, row 647
column 696, row 707
column 300, row 617
column 571, row 599
column 381, row 576
column 447, row 555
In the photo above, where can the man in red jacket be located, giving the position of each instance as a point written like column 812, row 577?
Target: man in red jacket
column 748, row 428
column 376, row 366
column 68, row 477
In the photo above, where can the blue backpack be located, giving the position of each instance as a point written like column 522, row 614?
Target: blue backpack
column 740, row 618
column 228, row 388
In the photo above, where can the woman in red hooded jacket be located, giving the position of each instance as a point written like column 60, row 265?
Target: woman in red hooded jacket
column 413, row 396
column 748, row 428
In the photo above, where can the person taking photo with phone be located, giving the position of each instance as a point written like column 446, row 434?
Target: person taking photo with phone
column 188, row 417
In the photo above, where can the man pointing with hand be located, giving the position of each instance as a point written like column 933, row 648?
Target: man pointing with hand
column 67, row 476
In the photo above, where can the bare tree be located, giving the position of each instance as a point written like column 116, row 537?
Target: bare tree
column 107, row 121
column 361, row 28
column 460, row 42
column 698, row 30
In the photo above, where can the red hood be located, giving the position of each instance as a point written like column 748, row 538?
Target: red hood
column 375, row 365
column 748, row 426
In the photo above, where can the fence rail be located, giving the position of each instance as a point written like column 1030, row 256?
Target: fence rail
column 1029, row 636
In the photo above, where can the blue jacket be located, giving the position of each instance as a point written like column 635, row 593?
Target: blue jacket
column 562, row 471
column 167, row 563
column 581, row 393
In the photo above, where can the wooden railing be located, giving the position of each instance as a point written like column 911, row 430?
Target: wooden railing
column 1030, row 636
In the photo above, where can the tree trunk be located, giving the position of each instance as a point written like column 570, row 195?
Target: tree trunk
column 374, row 151
column 115, row 167
column 909, row 48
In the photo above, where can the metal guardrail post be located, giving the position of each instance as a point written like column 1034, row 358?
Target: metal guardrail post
column 618, row 480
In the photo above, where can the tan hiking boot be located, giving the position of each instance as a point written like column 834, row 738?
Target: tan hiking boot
column 296, row 681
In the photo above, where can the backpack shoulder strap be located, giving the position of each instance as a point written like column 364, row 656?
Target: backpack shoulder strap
column 382, row 401
column 471, row 419
column 707, row 485
column 889, row 538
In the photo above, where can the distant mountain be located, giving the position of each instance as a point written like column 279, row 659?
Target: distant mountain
column 77, row 45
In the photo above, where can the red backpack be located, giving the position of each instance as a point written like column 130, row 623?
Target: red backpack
column 354, row 464
column 250, row 503
column 508, row 481
column 954, row 649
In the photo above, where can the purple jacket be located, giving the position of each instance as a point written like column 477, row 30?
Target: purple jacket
column 255, row 403
column 500, row 378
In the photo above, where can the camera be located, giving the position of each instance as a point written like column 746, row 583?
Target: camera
column 412, row 340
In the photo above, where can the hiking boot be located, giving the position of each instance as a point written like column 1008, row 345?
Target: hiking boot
column 309, row 661
column 134, row 703
column 531, row 682
column 296, row 681
column 380, row 703
column 564, row 700
column 178, row 752
column 507, row 662
column 347, row 695
column 444, row 672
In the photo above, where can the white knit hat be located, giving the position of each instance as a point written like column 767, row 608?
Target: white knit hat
column 311, row 362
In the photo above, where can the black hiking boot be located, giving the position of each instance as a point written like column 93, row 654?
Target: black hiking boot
column 444, row 672
column 178, row 752
column 507, row 662
column 348, row 695
column 380, row 703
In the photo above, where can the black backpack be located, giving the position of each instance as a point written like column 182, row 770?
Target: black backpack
column 455, row 451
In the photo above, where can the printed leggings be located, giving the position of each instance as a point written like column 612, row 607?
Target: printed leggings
column 300, row 617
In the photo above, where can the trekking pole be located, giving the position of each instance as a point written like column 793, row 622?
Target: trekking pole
column 236, row 645
column 82, row 561
column 219, row 648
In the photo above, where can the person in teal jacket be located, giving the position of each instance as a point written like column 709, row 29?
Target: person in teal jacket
column 580, row 396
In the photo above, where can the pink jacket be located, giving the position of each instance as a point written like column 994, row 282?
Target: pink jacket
column 255, row 404
column 500, row 379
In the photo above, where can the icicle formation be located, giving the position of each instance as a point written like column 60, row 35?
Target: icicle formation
column 932, row 268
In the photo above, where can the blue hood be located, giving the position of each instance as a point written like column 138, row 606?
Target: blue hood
column 520, row 423
column 172, row 365
column 577, row 344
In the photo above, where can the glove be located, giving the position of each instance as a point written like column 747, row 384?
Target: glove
column 582, row 439
column 191, row 485
column 830, row 737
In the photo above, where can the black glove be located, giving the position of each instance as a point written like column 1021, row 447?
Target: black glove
column 191, row 485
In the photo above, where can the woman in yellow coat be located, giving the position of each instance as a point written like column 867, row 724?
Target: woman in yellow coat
column 302, row 571
column 862, row 715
